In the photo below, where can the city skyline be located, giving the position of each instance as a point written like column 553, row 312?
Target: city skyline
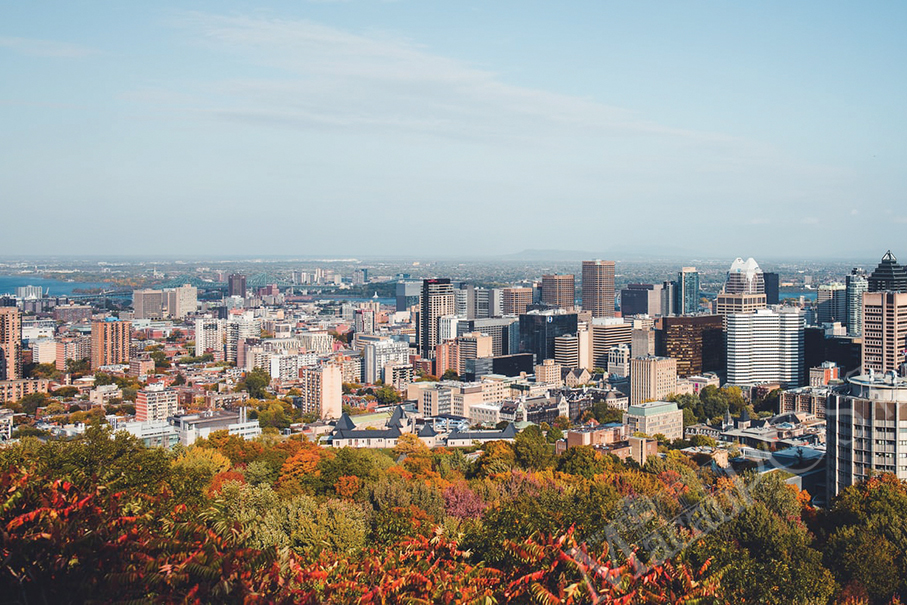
column 739, row 129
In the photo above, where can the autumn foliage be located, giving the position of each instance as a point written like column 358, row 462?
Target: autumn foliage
column 104, row 519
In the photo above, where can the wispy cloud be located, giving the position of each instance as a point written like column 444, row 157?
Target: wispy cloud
column 340, row 79
column 46, row 48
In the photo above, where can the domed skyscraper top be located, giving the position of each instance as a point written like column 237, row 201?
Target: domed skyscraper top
column 745, row 277
column 888, row 276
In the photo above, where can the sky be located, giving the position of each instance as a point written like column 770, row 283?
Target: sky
column 418, row 127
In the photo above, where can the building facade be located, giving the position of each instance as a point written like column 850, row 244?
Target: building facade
column 865, row 424
column 884, row 331
column 654, row 418
column 516, row 301
column 109, row 342
column 437, row 301
column 236, row 285
column 696, row 342
column 559, row 291
column 687, row 291
column 855, row 284
column 321, row 391
column 598, row 287
column 652, row 378
column 156, row 402
column 10, row 343
column 538, row 329
column 209, row 335
column 640, row 299
column 765, row 346
column 831, row 303
column 606, row 333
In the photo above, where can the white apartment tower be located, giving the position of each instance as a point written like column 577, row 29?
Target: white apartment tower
column 209, row 335
column 765, row 346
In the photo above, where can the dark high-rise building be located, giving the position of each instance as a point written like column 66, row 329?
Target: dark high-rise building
column 505, row 365
column 236, row 285
column 636, row 299
column 598, row 287
column 668, row 290
column 408, row 294
column 687, row 292
column 504, row 332
column 559, row 291
column 696, row 342
column 888, row 276
column 772, row 288
column 845, row 351
column 437, row 301
column 539, row 329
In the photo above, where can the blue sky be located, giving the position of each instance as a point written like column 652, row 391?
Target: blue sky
column 772, row 129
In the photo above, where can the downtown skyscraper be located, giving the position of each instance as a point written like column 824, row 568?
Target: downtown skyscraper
column 598, row 287
column 687, row 292
column 437, row 300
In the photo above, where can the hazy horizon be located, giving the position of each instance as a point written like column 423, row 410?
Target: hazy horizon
column 469, row 130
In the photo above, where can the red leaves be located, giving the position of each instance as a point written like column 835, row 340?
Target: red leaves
column 558, row 570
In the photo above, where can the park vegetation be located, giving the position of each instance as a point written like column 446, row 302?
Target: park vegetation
column 101, row 518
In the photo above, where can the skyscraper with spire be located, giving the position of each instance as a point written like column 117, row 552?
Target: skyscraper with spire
column 888, row 276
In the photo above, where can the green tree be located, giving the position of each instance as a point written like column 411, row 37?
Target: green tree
column 45, row 370
column 31, row 403
column 714, row 402
column 78, row 367
column 387, row 394
column 532, row 450
column 160, row 360
column 581, row 460
column 256, row 383
column 562, row 423
column 450, row 375
column 604, row 413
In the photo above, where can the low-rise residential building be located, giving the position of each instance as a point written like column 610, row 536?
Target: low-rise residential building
column 215, row 400
column 101, row 395
column 140, row 366
column 14, row 390
column 573, row 377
